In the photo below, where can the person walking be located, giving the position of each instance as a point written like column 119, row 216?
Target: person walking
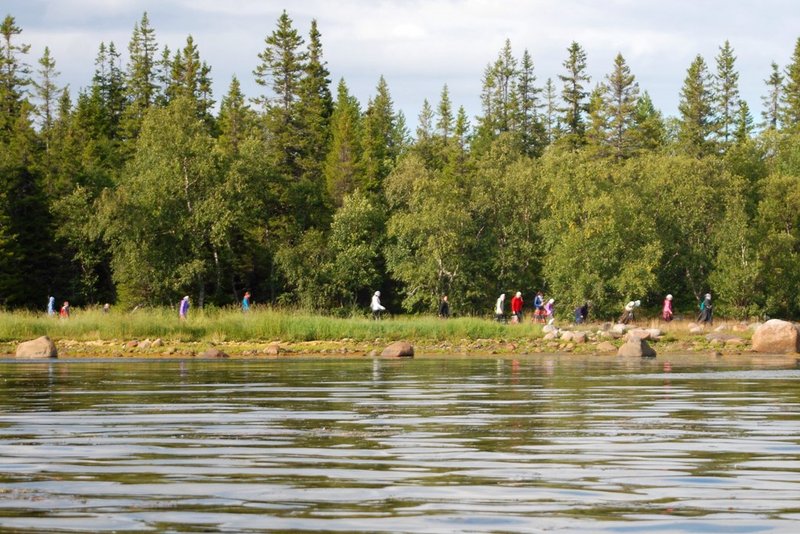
column 51, row 306
column 666, row 311
column 538, row 304
column 64, row 313
column 706, row 311
column 183, row 309
column 516, row 307
column 376, row 307
column 246, row 302
column 582, row 313
column 499, row 308
column 549, row 311
column 444, row 308
column 628, row 315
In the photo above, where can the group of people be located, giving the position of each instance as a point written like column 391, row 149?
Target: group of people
column 543, row 311
column 51, row 308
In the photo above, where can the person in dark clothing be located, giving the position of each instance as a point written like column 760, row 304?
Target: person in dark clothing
column 444, row 308
column 706, row 311
column 582, row 313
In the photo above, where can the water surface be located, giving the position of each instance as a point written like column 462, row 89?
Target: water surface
column 428, row 445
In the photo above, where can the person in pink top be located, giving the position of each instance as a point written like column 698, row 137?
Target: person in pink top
column 666, row 312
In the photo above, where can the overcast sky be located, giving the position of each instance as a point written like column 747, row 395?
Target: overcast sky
column 420, row 45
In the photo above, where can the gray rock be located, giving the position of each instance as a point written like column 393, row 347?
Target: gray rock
column 398, row 349
column 619, row 328
column 638, row 333
column 273, row 349
column 550, row 336
column 146, row 344
column 158, row 343
column 776, row 336
column 567, row 336
column 579, row 338
column 549, row 328
column 636, row 347
column 695, row 330
column 213, row 353
column 606, row 346
column 41, row 347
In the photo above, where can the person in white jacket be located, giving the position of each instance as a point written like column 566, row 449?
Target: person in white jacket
column 375, row 306
column 499, row 308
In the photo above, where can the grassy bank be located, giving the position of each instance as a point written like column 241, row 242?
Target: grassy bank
column 258, row 325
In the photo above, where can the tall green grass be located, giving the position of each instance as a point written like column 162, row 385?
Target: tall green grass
column 258, row 325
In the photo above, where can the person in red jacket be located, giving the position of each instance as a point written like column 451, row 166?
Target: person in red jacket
column 516, row 307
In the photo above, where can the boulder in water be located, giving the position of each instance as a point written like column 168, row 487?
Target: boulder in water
column 41, row 347
column 776, row 336
column 398, row 349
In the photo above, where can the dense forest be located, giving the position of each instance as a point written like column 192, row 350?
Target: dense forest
column 140, row 188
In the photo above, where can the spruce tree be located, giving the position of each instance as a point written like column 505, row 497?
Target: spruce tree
column 314, row 110
column 726, row 93
column 190, row 77
column 530, row 130
column 743, row 126
column 47, row 93
column 621, row 98
column 236, row 120
column 444, row 114
column 14, row 76
column 772, row 100
column 574, row 94
column 382, row 138
column 141, row 81
column 697, row 122
column 552, row 126
column 342, row 164
column 648, row 131
column 790, row 99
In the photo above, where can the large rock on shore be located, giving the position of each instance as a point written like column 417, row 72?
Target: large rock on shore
column 214, row 353
column 777, row 336
column 41, row 347
column 398, row 349
column 636, row 347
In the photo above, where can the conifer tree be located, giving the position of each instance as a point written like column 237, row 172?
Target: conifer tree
column 621, row 97
column 281, row 72
column 574, row 94
column 14, row 75
column 528, row 123
column 190, row 77
column 47, row 92
column 772, row 100
column 697, row 121
column 342, row 164
column 726, row 93
column 314, row 110
column 743, row 127
column 141, row 81
column 236, row 120
column 790, row 99
column 648, row 131
column 444, row 113
column 597, row 131
column 382, row 137
column 551, row 123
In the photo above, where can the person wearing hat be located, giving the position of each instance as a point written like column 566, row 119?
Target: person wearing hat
column 516, row 307
column 499, row 308
column 376, row 306
column 627, row 314
column 183, row 309
column 549, row 311
column 706, row 310
column 666, row 311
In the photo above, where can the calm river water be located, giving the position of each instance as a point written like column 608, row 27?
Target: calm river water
column 427, row 445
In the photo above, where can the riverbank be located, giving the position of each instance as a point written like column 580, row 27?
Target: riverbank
column 271, row 333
